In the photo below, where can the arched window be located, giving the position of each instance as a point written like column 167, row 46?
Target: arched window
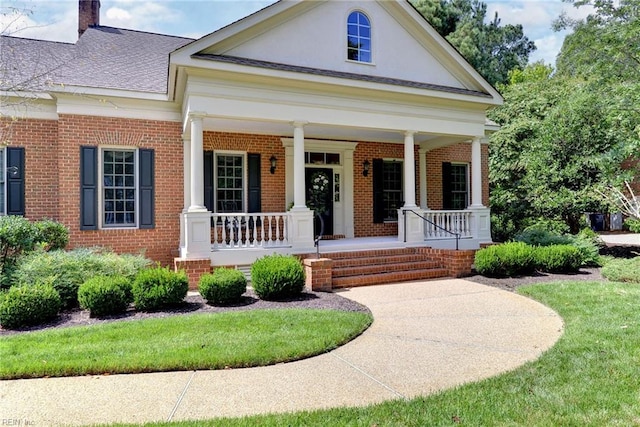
column 358, row 37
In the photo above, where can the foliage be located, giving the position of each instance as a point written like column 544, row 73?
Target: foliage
column 52, row 235
column 558, row 258
column 538, row 236
column 632, row 224
column 588, row 244
column 158, row 287
column 277, row 276
column 505, row 260
column 28, row 305
column 491, row 48
column 68, row 270
column 223, row 286
column 622, row 270
column 17, row 236
column 105, row 295
column 559, row 141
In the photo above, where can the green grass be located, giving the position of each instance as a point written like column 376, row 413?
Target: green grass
column 202, row 341
column 622, row 270
column 590, row 378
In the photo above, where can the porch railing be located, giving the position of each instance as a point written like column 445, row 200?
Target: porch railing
column 249, row 230
column 447, row 224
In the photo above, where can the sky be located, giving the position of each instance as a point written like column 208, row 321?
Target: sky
column 57, row 19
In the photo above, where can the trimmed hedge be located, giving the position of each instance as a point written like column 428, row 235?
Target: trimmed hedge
column 223, row 286
column 104, row 295
column 28, row 305
column 277, row 277
column 507, row 259
column 159, row 287
column 558, row 258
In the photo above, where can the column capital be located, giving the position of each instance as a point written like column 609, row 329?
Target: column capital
column 196, row 115
column 299, row 123
column 410, row 132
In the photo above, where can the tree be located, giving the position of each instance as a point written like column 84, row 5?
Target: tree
column 491, row 48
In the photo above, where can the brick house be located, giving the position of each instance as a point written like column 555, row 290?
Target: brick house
column 203, row 151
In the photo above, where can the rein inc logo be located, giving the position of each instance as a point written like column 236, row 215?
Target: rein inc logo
column 16, row 422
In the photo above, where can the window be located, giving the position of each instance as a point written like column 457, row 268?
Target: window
column 118, row 188
column 455, row 187
column 230, row 182
column 388, row 193
column 358, row 37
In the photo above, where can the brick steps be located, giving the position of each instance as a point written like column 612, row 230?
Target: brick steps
column 361, row 268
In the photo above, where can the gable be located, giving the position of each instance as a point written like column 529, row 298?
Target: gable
column 313, row 34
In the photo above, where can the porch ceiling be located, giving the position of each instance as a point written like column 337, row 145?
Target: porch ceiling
column 317, row 131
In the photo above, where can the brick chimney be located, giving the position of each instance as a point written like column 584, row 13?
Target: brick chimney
column 88, row 15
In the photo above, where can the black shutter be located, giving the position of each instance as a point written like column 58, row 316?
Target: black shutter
column 255, row 204
column 15, row 181
column 447, row 195
column 378, row 191
column 88, row 188
column 208, row 180
column 147, row 196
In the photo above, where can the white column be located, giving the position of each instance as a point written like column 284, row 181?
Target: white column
column 422, row 161
column 476, row 173
column 186, row 148
column 298, row 166
column 409, row 171
column 197, row 165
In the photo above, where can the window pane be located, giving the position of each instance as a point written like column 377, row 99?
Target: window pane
column 358, row 37
column 230, row 179
column 333, row 159
column 119, row 192
column 353, row 18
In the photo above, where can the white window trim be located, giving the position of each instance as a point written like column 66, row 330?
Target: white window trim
column 101, row 224
column 245, row 177
column 345, row 36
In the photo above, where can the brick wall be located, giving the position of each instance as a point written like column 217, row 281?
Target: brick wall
column 52, row 150
column 159, row 243
column 39, row 139
column 458, row 153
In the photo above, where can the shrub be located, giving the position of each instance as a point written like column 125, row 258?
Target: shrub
column 17, row 236
column 507, row 259
column 29, row 305
column 622, row 270
column 633, row 224
column 224, row 286
column 158, row 287
column 588, row 243
column 558, row 258
column 51, row 234
column 277, row 276
column 537, row 236
column 68, row 270
column 104, row 295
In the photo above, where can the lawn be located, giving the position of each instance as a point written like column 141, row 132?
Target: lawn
column 591, row 377
column 185, row 342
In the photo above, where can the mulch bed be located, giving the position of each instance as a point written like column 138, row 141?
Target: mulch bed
column 194, row 303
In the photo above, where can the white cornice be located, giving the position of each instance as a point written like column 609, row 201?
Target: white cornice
column 103, row 106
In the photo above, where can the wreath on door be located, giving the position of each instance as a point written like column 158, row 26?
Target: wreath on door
column 319, row 185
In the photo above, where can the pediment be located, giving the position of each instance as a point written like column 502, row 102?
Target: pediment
column 312, row 35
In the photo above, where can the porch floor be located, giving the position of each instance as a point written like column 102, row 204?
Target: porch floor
column 362, row 243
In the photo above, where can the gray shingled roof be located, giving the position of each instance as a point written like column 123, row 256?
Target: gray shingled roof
column 338, row 74
column 103, row 57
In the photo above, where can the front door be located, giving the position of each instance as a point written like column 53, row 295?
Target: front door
column 319, row 197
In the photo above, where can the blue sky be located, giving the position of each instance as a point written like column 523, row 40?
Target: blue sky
column 57, row 19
